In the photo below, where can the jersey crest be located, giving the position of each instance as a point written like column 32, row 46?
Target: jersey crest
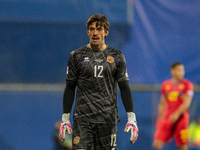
column 168, row 87
column 110, row 59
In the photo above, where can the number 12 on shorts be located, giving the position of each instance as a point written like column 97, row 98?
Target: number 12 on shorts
column 113, row 140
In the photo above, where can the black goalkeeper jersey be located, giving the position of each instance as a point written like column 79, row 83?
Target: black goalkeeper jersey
column 97, row 74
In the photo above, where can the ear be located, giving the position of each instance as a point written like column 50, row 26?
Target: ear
column 106, row 33
column 87, row 32
column 171, row 71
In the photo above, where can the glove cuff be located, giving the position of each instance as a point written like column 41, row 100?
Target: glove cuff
column 65, row 117
column 131, row 117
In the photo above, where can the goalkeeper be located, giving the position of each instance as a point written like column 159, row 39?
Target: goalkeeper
column 94, row 70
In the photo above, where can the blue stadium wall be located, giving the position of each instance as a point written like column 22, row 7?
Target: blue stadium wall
column 37, row 37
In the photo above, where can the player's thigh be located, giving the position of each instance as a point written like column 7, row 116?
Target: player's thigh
column 164, row 132
column 181, row 132
column 83, row 136
column 106, row 137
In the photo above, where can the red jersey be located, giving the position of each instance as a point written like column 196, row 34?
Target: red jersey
column 174, row 94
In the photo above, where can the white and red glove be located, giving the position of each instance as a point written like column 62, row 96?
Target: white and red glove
column 65, row 125
column 132, row 125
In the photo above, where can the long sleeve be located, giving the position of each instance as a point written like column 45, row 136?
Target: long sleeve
column 68, row 96
column 126, row 95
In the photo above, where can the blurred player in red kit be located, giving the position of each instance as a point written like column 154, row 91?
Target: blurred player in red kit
column 173, row 115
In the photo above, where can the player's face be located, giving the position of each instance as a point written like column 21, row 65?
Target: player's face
column 178, row 72
column 97, row 34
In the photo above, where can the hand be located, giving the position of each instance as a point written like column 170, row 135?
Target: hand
column 173, row 117
column 62, row 131
column 132, row 125
column 65, row 125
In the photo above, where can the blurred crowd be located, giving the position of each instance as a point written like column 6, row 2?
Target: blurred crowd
column 194, row 134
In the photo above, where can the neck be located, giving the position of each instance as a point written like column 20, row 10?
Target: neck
column 97, row 47
column 175, row 80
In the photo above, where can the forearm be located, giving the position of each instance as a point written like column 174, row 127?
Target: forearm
column 161, row 108
column 126, row 96
column 68, row 96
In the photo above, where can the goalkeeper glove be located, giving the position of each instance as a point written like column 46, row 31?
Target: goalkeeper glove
column 65, row 125
column 132, row 125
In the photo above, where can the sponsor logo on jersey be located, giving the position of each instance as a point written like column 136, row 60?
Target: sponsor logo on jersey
column 110, row 59
column 76, row 140
column 86, row 59
column 173, row 95
column 99, row 60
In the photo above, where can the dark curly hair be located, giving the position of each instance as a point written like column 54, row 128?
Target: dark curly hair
column 100, row 19
column 174, row 64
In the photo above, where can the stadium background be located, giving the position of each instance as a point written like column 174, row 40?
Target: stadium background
column 37, row 36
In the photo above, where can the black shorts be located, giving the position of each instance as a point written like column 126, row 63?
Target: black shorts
column 94, row 136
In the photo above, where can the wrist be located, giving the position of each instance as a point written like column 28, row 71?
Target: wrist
column 65, row 117
column 179, row 113
column 131, row 117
